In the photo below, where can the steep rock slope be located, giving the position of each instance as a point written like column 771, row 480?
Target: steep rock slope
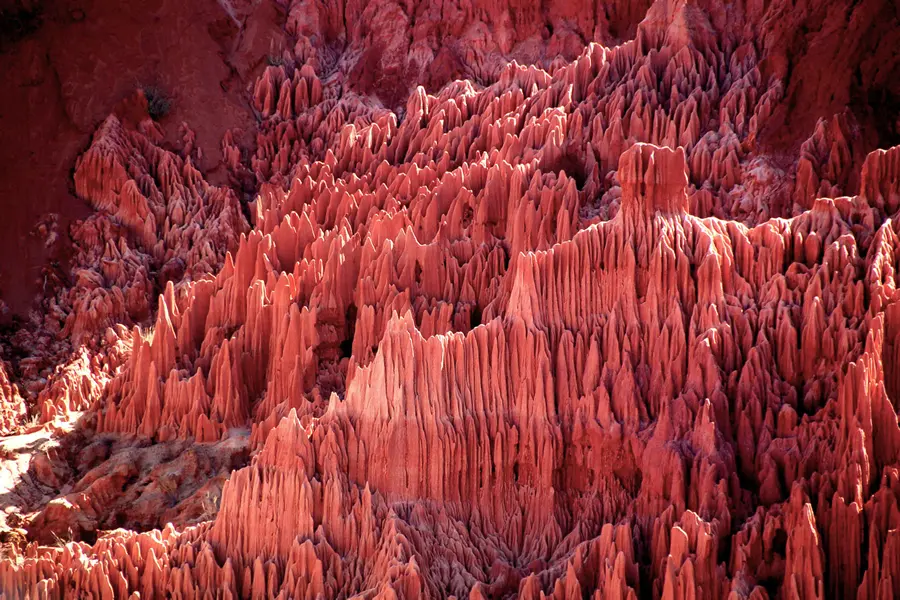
column 574, row 325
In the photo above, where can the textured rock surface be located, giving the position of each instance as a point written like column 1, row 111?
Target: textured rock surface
column 530, row 301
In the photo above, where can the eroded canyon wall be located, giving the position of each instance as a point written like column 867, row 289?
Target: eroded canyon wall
column 563, row 300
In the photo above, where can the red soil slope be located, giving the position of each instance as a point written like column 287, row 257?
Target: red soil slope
column 527, row 300
column 66, row 65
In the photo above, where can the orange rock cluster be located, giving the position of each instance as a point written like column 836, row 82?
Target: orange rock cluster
column 558, row 330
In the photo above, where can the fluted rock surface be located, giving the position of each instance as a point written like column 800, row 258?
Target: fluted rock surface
column 569, row 319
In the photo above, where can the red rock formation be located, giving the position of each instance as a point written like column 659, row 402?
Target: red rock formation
column 12, row 407
column 568, row 325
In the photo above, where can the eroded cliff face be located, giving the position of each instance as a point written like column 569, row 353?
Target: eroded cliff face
column 529, row 301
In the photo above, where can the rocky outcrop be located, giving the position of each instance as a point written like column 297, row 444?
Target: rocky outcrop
column 567, row 326
column 12, row 407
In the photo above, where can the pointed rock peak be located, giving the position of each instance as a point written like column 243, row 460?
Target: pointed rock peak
column 400, row 323
column 288, row 445
column 689, row 26
column 653, row 179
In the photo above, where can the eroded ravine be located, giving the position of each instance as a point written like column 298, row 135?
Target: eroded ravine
column 571, row 325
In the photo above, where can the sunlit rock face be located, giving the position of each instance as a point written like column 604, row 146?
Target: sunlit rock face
column 471, row 300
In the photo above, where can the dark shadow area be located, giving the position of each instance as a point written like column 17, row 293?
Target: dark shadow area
column 882, row 105
column 18, row 21
column 569, row 163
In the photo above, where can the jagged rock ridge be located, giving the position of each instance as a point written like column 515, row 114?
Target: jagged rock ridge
column 571, row 328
